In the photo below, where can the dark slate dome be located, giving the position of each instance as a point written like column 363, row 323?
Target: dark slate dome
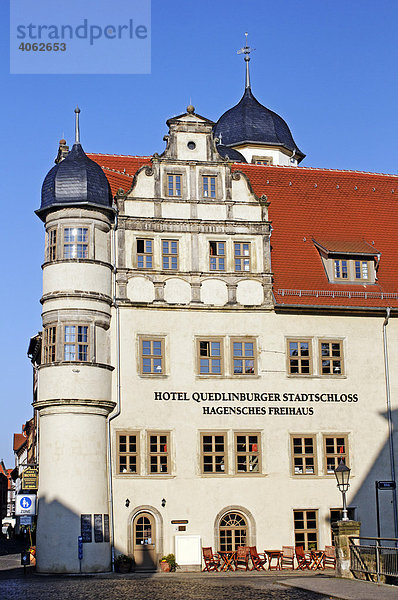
column 77, row 180
column 232, row 154
column 251, row 122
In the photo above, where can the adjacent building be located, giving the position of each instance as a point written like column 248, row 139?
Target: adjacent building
column 219, row 332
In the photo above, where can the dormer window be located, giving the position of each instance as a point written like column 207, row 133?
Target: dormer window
column 349, row 262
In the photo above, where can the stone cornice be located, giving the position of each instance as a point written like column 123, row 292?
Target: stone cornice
column 77, row 294
column 193, row 226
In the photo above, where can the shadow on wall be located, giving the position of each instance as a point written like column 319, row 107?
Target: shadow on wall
column 366, row 495
column 57, row 547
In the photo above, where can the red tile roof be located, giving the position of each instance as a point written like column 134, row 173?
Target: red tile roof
column 345, row 209
column 120, row 170
column 340, row 206
column 19, row 440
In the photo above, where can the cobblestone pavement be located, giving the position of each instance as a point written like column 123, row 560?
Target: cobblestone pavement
column 150, row 588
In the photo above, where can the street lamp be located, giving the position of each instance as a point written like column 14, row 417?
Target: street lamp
column 342, row 473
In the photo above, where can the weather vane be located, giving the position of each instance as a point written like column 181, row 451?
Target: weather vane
column 246, row 51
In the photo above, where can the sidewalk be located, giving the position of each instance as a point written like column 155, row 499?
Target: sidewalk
column 342, row 589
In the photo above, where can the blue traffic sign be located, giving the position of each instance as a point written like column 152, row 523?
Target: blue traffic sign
column 25, row 502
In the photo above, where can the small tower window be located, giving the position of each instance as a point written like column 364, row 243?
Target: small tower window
column 52, row 245
column 75, row 242
column 50, row 344
column 76, row 342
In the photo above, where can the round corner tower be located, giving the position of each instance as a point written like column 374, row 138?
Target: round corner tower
column 75, row 375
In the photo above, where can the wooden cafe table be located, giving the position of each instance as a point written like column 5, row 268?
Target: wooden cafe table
column 228, row 558
column 274, row 554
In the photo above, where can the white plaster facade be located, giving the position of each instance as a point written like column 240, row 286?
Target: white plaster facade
column 125, row 305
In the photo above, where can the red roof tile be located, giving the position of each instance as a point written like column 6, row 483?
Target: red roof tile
column 346, row 209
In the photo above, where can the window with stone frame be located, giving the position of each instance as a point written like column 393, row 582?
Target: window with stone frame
column 242, row 256
column 76, row 343
column 213, row 454
column 244, row 356
column 174, row 184
column 331, row 357
column 144, row 253
column 306, row 529
column 210, row 356
column 247, row 453
column 151, row 355
column 303, row 454
column 335, row 450
column 159, row 453
column 217, row 256
column 128, row 453
column 299, row 357
column 75, row 242
column 233, row 532
column 209, row 186
column 50, row 344
column 52, row 244
column 170, row 255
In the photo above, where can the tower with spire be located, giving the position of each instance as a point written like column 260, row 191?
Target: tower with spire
column 258, row 133
column 75, row 376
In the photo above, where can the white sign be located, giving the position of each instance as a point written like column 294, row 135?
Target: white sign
column 25, row 504
column 188, row 549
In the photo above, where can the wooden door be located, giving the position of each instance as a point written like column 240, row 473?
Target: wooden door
column 144, row 549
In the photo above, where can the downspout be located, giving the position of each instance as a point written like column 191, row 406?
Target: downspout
column 118, row 396
column 389, row 419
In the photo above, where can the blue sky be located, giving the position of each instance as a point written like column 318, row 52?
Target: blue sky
column 329, row 68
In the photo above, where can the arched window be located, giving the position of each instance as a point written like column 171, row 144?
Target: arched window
column 233, row 531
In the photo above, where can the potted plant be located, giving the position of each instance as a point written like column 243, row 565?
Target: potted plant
column 168, row 563
column 123, row 563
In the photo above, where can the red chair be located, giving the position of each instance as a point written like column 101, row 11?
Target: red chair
column 303, row 560
column 212, row 561
column 258, row 560
column 242, row 558
column 287, row 560
column 329, row 560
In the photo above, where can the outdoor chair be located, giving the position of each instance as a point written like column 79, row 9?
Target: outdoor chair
column 258, row 560
column 242, row 558
column 212, row 561
column 287, row 560
column 329, row 560
column 303, row 560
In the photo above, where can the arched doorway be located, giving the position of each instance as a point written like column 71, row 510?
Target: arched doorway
column 233, row 531
column 144, row 537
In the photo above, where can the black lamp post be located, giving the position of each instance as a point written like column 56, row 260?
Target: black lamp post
column 342, row 473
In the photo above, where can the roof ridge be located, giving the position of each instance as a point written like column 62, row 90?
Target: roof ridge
column 299, row 168
column 119, row 155
column 116, row 171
